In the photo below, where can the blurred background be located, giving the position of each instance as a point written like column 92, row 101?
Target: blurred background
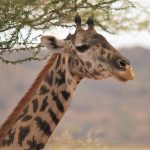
column 115, row 113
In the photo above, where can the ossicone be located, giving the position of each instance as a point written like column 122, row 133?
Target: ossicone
column 90, row 23
column 77, row 20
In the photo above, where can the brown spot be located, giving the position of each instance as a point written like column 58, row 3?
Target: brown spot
column 79, row 80
column 96, row 73
column 81, row 69
column 108, row 56
column 86, row 70
column 103, row 70
column 88, row 64
column 49, row 78
column 82, row 62
column 10, row 138
column 97, row 46
column 100, row 66
column 23, row 133
column 102, row 51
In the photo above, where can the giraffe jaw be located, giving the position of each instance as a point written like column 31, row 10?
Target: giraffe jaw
column 126, row 75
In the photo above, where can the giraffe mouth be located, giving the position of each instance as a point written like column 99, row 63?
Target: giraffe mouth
column 126, row 75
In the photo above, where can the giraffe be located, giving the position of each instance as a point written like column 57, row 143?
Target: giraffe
column 85, row 54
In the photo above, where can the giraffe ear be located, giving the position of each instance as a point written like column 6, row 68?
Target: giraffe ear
column 52, row 43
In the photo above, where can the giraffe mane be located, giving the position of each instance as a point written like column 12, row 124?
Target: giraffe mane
column 25, row 99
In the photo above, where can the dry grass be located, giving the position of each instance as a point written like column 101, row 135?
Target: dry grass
column 67, row 142
column 87, row 146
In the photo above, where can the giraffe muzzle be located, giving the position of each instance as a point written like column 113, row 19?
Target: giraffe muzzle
column 122, row 69
column 125, row 75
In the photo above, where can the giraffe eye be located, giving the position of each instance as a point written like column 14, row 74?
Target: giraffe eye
column 82, row 48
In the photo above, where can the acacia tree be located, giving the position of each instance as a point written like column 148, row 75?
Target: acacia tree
column 23, row 21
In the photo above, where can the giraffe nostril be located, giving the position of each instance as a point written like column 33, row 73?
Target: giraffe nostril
column 122, row 63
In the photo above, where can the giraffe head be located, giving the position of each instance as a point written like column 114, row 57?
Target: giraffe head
column 90, row 54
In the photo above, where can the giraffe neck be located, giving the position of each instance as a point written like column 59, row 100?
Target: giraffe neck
column 39, row 117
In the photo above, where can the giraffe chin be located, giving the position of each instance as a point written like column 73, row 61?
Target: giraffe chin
column 126, row 75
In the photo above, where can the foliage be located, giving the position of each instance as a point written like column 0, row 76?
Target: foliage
column 23, row 22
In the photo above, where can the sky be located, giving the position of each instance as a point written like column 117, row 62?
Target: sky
column 123, row 39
